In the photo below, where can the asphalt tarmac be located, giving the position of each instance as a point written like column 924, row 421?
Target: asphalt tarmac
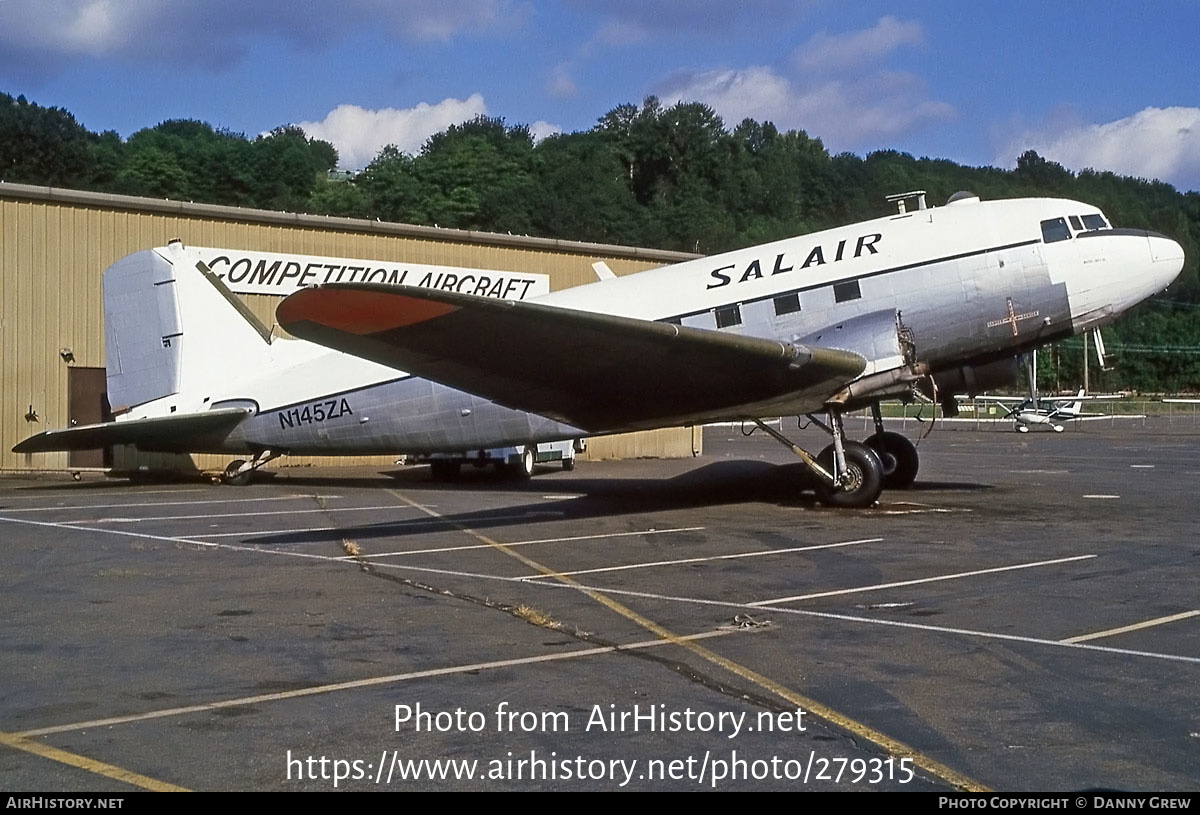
column 1025, row 618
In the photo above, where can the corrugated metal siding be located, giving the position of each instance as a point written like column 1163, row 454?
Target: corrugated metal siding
column 55, row 244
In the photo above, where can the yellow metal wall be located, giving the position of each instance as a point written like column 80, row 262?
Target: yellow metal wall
column 54, row 245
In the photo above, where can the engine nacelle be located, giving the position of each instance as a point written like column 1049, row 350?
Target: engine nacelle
column 974, row 379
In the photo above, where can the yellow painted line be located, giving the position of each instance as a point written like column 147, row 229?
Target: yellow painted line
column 572, row 539
column 89, row 764
column 709, row 559
column 894, row 747
column 1135, row 627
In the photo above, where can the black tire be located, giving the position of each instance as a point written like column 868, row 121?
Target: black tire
column 233, row 478
column 568, row 464
column 866, row 478
column 899, row 458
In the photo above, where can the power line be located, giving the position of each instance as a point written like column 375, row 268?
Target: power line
column 1139, row 348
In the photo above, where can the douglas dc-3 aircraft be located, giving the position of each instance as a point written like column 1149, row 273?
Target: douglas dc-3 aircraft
column 942, row 299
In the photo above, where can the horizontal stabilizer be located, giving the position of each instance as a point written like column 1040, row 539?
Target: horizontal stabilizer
column 189, row 433
column 598, row 372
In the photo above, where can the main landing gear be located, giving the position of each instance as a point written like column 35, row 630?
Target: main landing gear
column 853, row 474
column 897, row 454
column 239, row 472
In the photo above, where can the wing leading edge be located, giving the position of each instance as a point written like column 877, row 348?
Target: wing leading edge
column 598, row 372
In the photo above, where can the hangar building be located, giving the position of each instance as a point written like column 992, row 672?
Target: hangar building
column 55, row 243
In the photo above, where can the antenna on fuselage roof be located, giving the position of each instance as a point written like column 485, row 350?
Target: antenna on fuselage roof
column 900, row 199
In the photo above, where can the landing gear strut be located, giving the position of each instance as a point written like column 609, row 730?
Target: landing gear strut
column 848, row 474
column 239, row 472
column 897, row 454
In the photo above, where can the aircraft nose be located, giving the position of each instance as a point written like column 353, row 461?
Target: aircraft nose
column 1166, row 258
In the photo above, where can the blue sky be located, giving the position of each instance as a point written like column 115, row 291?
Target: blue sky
column 1089, row 84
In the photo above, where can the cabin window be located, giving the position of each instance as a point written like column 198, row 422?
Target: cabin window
column 787, row 304
column 846, row 290
column 1092, row 222
column 729, row 316
column 1055, row 230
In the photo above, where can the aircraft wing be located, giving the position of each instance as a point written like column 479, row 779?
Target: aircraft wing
column 597, row 372
column 187, row 433
column 1007, row 400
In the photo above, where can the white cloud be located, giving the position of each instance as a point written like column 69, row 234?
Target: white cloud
column 562, row 84
column 846, row 115
column 359, row 134
column 833, row 93
column 542, row 130
column 72, row 27
column 1159, row 143
column 837, row 52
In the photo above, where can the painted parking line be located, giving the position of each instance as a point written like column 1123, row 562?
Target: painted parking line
column 632, row 593
column 570, row 539
column 938, row 578
column 682, row 561
column 373, row 681
column 207, row 516
column 1134, row 627
column 84, row 493
column 72, row 508
column 856, row 728
column 20, row 741
column 885, row 622
column 391, row 526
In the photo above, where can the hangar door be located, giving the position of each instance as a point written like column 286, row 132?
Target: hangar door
column 87, row 403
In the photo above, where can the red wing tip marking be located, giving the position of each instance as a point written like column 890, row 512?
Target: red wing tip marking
column 358, row 312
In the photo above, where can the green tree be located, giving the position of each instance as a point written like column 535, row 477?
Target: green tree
column 43, row 145
column 581, row 191
column 478, row 175
column 392, row 188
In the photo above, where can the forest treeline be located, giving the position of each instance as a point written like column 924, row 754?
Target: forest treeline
column 669, row 177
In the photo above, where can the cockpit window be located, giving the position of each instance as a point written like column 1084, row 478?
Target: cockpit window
column 1096, row 221
column 1055, row 230
column 1076, row 224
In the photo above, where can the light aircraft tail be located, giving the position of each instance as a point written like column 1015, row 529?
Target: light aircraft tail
column 1076, row 407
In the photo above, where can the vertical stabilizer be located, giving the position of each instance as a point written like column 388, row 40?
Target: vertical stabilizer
column 141, row 330
column 175, row 332
column 1076, row 407
column 221, row 338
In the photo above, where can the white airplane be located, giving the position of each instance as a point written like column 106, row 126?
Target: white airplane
column 817, row 324
column 1033, row 412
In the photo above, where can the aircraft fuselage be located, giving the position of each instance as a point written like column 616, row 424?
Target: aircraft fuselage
column 949, row 290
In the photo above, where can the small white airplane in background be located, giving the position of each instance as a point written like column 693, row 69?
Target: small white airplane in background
column 1033, row 412
column 816, row 325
